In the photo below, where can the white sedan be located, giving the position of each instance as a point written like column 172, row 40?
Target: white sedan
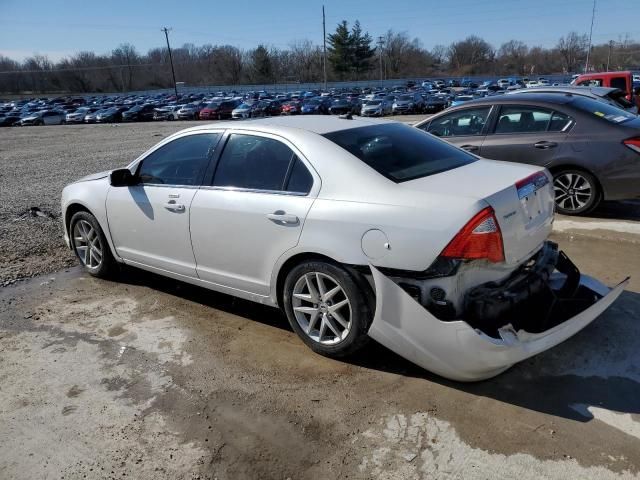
column 356, row 228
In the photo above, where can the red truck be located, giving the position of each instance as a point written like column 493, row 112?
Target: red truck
column 621, row 80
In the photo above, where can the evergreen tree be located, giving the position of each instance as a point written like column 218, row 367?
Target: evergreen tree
column 262, row 65
column 341, row 50
column 362, row 51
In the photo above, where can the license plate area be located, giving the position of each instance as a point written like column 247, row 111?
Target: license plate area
column 534, row 192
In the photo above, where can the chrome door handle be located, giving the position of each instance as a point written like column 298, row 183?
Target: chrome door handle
column 544, row 145
column 283, row 218
column 174, row 207
column 470, row 148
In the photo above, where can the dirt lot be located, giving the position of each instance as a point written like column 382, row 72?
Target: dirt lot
column 149, row 378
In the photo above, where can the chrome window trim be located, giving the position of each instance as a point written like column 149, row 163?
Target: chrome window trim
column 165, row 185
column 254, row 190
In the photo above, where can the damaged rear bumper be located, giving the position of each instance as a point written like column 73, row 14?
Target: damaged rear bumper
column 456, row 350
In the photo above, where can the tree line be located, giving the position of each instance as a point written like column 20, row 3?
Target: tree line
column 352, row 54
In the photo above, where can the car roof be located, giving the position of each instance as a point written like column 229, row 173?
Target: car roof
column 319, row 124
column 522, row 97
column 585, row 90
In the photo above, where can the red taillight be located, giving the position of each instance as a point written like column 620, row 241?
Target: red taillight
column 538, row 177
column 633, row 143
column 479, row 238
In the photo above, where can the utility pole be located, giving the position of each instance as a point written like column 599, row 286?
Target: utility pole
column 173, row 73
column 593, row 16
column 609, row 54
column 380, row 46
column 324, row 43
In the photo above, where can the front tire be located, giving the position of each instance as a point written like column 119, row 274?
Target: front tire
column 90, row 245
column 576, row 192
column 326, row 308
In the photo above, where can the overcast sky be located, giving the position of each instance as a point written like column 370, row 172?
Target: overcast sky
column 58, row 28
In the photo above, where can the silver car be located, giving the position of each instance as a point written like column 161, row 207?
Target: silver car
column 79, row 114
column 376, row 108
column 43, row 117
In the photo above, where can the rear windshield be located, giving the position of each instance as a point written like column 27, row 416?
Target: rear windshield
column 602, row 110
column 400, row 152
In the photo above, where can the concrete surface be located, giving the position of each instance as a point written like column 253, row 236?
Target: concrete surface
column 149, row 378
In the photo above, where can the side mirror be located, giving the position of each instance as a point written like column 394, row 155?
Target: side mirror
column 122, row 178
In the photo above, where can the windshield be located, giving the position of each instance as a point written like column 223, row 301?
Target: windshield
column 405, row 98
column 602, row 110
column 374, row 102
column 400, row 152
column 312, row 102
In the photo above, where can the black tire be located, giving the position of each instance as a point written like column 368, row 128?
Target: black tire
column 108, row 265
column 360, row 310
column 569, row 196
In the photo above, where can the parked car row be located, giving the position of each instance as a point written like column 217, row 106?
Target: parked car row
column 431, row 96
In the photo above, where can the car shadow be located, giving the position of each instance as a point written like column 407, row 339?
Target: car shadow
column 596, row 367
column 622, row 210
column 220, row 301
column 141, row 200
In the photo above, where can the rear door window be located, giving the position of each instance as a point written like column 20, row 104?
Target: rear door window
column 253, row 162
column 522, row 119
column 465, row 122
column 560, row 122
column 300, row 180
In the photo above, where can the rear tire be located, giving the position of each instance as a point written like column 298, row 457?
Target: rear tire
column 90, row 245
column 576, row 192
column 326, row 308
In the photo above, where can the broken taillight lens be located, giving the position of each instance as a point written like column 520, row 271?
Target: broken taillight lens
column 633, row 144
column 479, row 238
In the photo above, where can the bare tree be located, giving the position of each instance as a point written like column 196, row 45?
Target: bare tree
column 573, row 50
column 471, row 55
column 125, row 69
column 512, row 57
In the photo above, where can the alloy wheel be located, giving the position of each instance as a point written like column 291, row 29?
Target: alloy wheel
column 572, row 191
column 321, row 308
column 87, row 244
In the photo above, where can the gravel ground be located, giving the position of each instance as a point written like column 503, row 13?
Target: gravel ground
column 37, row 162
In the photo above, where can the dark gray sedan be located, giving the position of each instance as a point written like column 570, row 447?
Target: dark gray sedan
column 591, row 148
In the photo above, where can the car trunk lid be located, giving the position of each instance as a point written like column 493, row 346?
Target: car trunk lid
column 520, row 195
